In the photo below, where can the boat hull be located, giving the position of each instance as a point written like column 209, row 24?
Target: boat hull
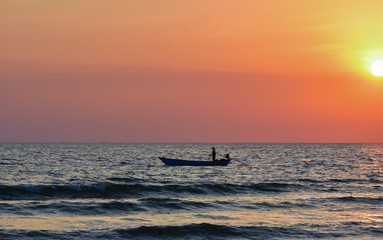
column 179, row 162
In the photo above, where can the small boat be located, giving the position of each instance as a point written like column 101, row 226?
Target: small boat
column 179, row 162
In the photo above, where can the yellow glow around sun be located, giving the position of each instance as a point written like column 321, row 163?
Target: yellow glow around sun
column 377, row 68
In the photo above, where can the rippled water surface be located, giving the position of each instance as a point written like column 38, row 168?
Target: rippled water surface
column 123, row 191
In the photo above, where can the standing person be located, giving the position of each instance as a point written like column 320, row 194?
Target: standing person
column 213, row 154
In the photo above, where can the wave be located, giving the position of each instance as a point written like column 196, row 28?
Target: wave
column 349, row 200
column 65, row 207
column 113, row 190
column 366, row 200
column 206, row 230
column 124, row 180
column 94, row 207
column 196, row 231
column 339, row 180
column 284, row 205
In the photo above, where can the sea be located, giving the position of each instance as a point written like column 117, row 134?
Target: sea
column 123, row 191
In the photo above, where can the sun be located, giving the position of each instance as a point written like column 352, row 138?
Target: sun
column 377, row 68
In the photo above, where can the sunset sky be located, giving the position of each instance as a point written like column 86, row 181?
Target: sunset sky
column 190, row 71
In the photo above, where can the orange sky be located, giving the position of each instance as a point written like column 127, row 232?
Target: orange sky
column 190, row 71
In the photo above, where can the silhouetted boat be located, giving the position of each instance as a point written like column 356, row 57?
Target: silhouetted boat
column 180, row 162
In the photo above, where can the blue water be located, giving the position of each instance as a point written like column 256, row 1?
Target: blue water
column 123, row 191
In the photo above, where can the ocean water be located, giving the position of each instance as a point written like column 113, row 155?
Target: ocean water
column 123, row 191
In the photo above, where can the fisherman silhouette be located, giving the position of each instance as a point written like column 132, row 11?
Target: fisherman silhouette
column 213, row 154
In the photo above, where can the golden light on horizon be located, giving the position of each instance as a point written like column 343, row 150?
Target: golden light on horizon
column 377, row 68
